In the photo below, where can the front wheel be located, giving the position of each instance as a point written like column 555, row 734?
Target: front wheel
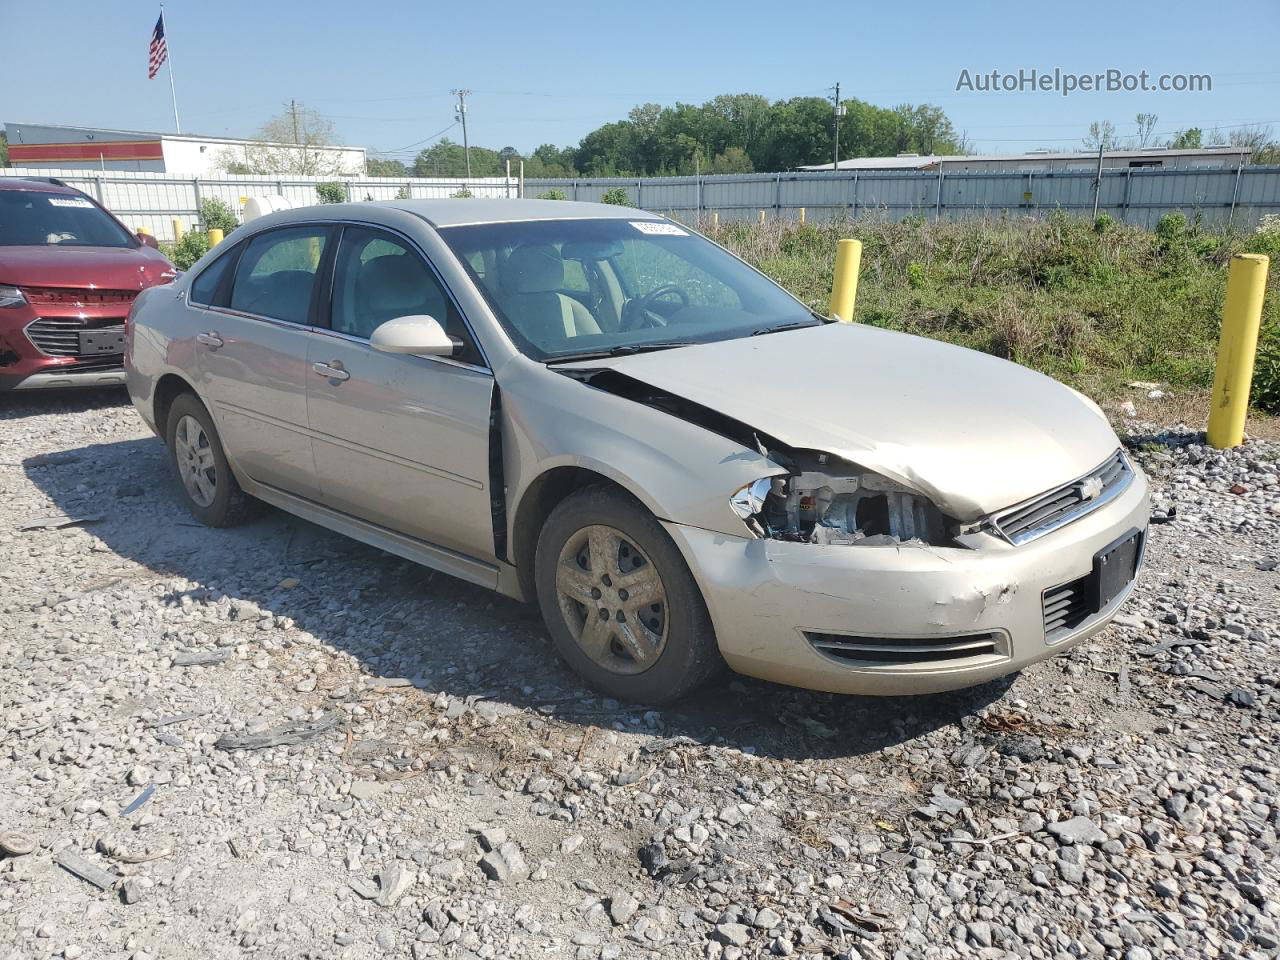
column 619, row 600
column 209, row 488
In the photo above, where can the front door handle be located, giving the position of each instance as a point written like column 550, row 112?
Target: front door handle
column 210, row 340
column 332, row 371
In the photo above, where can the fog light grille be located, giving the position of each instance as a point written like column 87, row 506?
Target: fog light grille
column 907, row 651
column 1065, row 608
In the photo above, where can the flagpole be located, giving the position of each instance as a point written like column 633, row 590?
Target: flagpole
column 177, row 124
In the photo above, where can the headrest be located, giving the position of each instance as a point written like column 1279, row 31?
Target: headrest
column 392, row 282
column 534, row 268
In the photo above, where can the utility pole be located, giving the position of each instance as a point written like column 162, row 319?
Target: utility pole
column 462, row 116
column 835, row 153
column 293, row 112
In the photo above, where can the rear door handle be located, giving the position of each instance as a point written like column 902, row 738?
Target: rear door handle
column 210, row 340
column 332, row 371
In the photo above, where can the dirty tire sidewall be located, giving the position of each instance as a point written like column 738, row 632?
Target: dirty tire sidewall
column 230, row 505
column 691, row 656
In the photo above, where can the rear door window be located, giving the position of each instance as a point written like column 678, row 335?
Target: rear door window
column 276, row 275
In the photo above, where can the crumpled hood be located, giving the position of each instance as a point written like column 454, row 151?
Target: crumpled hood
column 107, row 268
column 973, row 432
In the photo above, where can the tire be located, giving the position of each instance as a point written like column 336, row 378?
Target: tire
column 653, row 653
column 216, row 500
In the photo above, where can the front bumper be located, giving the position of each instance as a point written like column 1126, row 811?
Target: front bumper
column 62, row 378
column 24, row 365
column 769, row 599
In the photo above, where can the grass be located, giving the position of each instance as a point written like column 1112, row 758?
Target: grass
column 1097, row 305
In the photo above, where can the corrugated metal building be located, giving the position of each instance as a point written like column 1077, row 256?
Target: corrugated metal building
column 88, row 148
column 1044, row 161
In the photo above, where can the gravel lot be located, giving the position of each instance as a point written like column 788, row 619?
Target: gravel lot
column 339, row 754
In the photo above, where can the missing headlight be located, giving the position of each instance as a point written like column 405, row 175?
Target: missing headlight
column 845, row 505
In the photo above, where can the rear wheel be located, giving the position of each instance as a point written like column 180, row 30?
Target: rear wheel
column 209, row 488
column 619, row 600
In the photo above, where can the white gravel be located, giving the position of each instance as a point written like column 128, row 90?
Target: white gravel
column 445, row 788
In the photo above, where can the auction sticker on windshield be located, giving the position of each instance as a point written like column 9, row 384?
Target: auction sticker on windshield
column 656, row 229
column 69, row 202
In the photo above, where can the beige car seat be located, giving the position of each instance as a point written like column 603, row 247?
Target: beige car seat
column 531, row 280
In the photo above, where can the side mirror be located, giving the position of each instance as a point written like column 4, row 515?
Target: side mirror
column 419, row 334
column 147, row 240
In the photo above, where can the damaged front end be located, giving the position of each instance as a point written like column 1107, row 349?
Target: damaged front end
column 821, row 499
column 825, row 500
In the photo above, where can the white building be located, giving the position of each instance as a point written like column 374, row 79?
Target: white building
column 1038, row 161
column 42, row 145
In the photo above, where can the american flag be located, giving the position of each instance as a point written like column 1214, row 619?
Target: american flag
column 158, row 49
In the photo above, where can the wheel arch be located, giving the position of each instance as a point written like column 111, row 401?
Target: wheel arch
column 168, row 388
column 540, row 497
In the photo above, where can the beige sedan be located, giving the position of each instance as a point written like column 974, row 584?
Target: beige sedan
column 598, row 409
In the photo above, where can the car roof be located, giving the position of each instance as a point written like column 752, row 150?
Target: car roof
column 454, row 212
column 35, row 183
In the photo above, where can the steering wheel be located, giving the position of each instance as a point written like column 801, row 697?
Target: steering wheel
column 638, row 311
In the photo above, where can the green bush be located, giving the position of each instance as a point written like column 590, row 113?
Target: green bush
column 335, row 191
column 553, row 194
column 193, row 245
column 1265, row 394
column 404, row 193
column 462, row 194
column 617, row 196
column 217, row 214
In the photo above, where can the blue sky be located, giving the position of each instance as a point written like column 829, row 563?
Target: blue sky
column 383, row 70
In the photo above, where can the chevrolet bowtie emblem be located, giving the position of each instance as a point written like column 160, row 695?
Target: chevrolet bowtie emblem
column 1090, row 489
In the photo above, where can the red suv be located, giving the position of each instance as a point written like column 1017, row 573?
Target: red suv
column 69, row 272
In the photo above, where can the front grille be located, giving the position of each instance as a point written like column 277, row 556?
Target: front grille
column 77, row 296
column 1065, row 608
column 900, row 652
column 60, row 336
column 1069, row 502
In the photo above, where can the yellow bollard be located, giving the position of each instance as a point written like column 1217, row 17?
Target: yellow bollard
column 844, row 287
column 761, row 216
column 177, row 230
column 715, row 219
column 144, row 230
column 215, row 237
column 802, row 215
column 1237, row 348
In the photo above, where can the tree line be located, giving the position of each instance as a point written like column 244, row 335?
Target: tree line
column 733, row 133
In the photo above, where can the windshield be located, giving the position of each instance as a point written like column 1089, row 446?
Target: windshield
column 39, row 219
column 565, row 289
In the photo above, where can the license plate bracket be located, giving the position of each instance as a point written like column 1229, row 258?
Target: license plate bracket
column 108, row 340
column 1114, row 567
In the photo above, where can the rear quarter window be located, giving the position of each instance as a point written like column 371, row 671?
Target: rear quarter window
column 205, row 287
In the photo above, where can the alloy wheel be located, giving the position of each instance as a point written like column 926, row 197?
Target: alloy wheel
column 612, row 599
column 195, row 461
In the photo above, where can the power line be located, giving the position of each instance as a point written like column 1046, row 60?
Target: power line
column 418, row 143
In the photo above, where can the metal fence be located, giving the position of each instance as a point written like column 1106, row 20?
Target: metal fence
column 1235, row 197
column 156, row 200
column 1221, row 197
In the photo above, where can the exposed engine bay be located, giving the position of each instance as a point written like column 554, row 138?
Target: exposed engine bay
column 827, row 501
column 823, row 499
